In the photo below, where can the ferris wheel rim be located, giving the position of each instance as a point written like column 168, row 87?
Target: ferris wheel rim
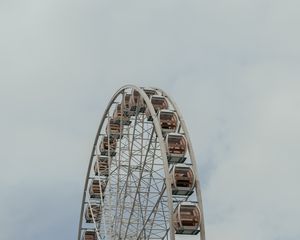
column 193, row 158
column 158, row 131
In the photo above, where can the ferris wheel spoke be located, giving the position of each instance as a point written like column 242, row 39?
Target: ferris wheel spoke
column 139, row 186
column 128, row 174
column 153, row 210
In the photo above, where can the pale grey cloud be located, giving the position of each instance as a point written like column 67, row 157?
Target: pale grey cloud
column 232, row 66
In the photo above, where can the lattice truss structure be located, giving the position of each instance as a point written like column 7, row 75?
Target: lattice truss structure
column 142, row 180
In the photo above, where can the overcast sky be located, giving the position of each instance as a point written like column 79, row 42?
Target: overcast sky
column 232, row 66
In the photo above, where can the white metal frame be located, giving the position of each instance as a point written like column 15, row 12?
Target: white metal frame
column 166, row 188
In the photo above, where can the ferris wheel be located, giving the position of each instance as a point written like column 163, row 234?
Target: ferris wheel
column 142, row 180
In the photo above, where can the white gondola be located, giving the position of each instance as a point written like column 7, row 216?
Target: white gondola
column 149, row 92
column 92, row 213
column 120, row 116
column 159, row 103
column 89, row 235
column 126, row 102
column 168, row 121
column 101, row 166
column 108, row 146
column 183, row 179
column 97, row 188
column 176, row 147
column 114, row 129
column 187, row 218
column 135, row 101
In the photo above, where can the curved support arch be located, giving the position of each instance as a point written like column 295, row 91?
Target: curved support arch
column 193, row 159
column 92, row 155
